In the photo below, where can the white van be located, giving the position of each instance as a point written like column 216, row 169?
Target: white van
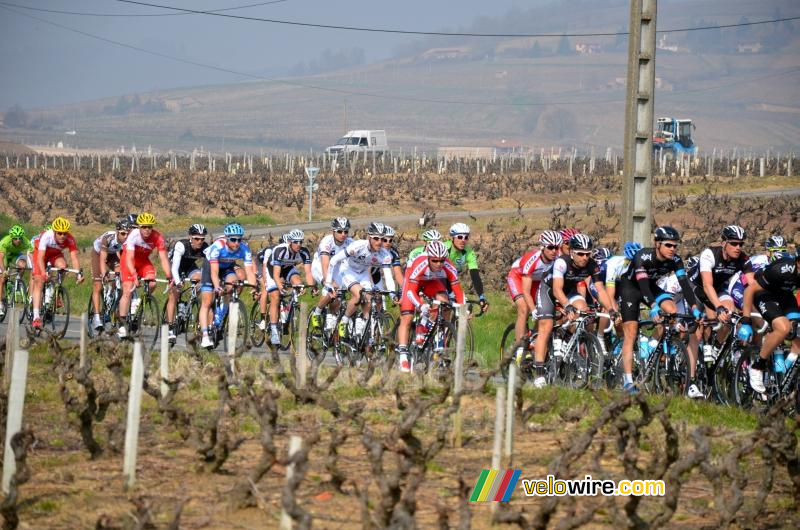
column 360, row 141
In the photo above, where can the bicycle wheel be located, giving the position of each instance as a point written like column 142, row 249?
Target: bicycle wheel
column 671, row 371
column 383, row 336
column 193, row 332
column 257, row 335
column 19, row 299
column 583, row 363
column 507, row 346
column 315, row 339
column 56, row 314
column 743, row 394
column 443, row 346
column 288, row 328
column 242, row 328
column 148, row 318
column 722, row 377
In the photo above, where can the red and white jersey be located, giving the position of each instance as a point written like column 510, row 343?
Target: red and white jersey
column 420, row 271
column 531, row 264
column 46, row 241
column 141, row 247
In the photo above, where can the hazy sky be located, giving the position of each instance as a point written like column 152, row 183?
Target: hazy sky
column 44, row 65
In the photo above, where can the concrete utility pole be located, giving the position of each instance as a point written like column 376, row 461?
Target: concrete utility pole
column 311, row 173
column 637, row 190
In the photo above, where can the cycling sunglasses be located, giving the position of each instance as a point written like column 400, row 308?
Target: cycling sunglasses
column 61, row 233
column 198, row 238
column 670, row 245
column 342, row 231
column 736, row 243
column 433, row 260
column 462, row 237
column 234, row 239
column 552, row 247
column 387, row 239
column 582, row 254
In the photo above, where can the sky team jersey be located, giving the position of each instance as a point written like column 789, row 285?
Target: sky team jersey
column 616, row 266
column 358, row 258
column 141, row 247
column 531, row 264
column 47, row 242
column 218, row 252
column 463, row 259
column 108, row 242
column 780, row 275
column 756, row 263
column 11, row 251
column 711, row 260
column 565, row 268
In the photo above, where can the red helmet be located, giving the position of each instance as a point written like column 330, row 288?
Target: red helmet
column 567, row 233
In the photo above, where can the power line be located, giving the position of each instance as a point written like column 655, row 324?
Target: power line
column 443, row 33
column 3, row 5
column 85, row 14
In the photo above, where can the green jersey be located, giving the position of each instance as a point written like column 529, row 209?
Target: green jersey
column 463, row 259
column 415, row 253
column 11, row 251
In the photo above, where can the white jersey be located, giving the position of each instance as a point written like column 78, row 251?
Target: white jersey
column 616, row 266
column 357, row 257
column 327, row 247
column 669, row 284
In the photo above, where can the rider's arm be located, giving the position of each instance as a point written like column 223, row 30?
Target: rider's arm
column 309, row 276
column 749, row 292
column 706, row 266
column 558, row 292
column 527, row 285
column 162, row 256
column 334, row 264
column 214, row 266
column 103, row 258
column 602, row 295
column 324, row 261
column 250, row 272
column 686, row 286
column 177, row 254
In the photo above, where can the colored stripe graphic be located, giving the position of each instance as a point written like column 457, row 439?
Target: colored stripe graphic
column 495, row 485
column 477, row 491
column 487, row 485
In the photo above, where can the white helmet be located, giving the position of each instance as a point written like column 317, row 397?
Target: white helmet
column 550, row 238
column 340, row 223
column 296, row 235
column 388, row 231
column 436, row 249
column 375, row 229
column 431, row 235
column 459, row 228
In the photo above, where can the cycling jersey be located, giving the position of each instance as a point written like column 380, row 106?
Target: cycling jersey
column 12, row 252
column 463, row 259
column 287, row 259
column 46, row 242
column 108, row 242
column 183, row 257
column 358, row 257
column 712, row 260
column 530, row 264
column 420, row 277
column 141, row 247
column 779, row 280
column 395, row 262
column 616, row 266
column 640, row 282
column 565, row 268
column 414, row 254
column 738, row 282
column 327, row 247
column 219, row 253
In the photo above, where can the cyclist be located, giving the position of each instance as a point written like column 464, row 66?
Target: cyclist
column 464, row 257
column 135, row 263
column 105, row 259
column 615, row 268
column 523, row 281
column 566, row 235
column 772, row 291
column 220, row 266
column 336, row 241
column 640, row 284
column 564, row 284
column 711, row 278
column 283, row 267
column 14, row 252
column 425, row 275
column 394, row 280
column 774, row 248
column 427, row 236
column 264, row 271
column 350, row 269
column 183, row 257
column 49, row 250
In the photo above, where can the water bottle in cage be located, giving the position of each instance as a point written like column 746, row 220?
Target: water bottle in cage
column 219, row 314
column 183, row 310
column 135, row 301
column 48, row 294
column 361, row 325
column 285, row 313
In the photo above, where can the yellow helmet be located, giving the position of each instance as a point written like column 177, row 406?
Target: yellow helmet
column 146, row 219
column 60, row 224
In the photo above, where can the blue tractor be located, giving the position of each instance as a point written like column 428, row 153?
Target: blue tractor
column 673, row 137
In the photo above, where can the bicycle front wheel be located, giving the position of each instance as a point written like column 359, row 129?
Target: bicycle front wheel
column 193, row 332
column 583, row 363
column 56, row 315
column 671, row 372
column 148, row 323
column 242, row 328
column 257, row 335
column 18, row 298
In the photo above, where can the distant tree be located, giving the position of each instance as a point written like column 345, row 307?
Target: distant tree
column 15, row 117
column 564, row 46
column 187, row 136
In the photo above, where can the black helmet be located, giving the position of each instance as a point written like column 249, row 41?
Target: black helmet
column 131, row 217
column 375, row 229
column 198, row 230
column 666, row 233
column 580, row 242
column 733, row 232
column 775, row 242
column 340, row 223
column 124, row 224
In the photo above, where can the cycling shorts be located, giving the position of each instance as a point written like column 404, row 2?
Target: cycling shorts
column 429, row 288
column 112, row 261
column 774, row 305
column 143, row 268
column 346, row 278
column 287, row 277
column 227, row 274
column 546, row 302
column 700, row 294
column 514, row 286
column 630, row 297
column 50, row 257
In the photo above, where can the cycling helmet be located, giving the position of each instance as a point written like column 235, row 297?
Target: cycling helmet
column 431, row 235
column 775, row 242
column 60, row 224
column 234, row 229
column 198, row 230
column 779, row 254
column 124, row 224
column 375, row 229
column 567, row 233
column 692, row 262
column 459, row 228
column 601, row 254
column 296, row 236
column 550, row 237
column 146, row 219
column 16, row 231
column 631, row 248
column 131, row 217
column 436, row 249
column 580, row 242
column 666, row 233
column 733, row 232
column 340, row 223
column 388, row 231
column 285, row 238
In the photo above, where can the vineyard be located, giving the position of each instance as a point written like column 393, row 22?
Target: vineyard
column 380, row 450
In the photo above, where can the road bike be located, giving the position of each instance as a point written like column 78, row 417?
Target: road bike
column 55, row 304
column 109, row 306
column 16, row 293
column 219, row 319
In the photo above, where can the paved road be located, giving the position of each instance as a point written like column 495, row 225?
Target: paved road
column 465, row 215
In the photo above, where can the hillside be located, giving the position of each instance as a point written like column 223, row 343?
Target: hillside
column 451, row 91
